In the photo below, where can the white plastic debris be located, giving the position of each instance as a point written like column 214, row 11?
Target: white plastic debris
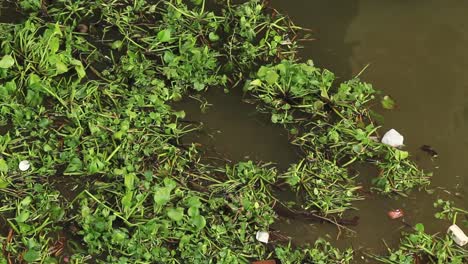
column 262, row 236
column 393, row 138
column 457, row 235
column 24, row 165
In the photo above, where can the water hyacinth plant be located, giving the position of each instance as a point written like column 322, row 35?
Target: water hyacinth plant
column 87, row 90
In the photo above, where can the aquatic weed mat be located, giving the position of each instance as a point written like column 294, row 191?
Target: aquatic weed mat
column 87, row 90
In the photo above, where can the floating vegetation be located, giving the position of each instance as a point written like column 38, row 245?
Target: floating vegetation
column 86, row 95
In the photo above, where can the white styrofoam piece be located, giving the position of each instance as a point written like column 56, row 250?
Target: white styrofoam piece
column 457, row 235
column 24, row 165
column 393, row 138
column 262, row 236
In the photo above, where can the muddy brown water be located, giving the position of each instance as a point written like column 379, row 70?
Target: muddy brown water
column 232, row 130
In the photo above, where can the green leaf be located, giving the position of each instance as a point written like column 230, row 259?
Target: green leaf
column 170, row 183
column 271, row 77
column 193, row 211
column 31, row 255
column 79, row 68
column 6, row 62
column 10, row 87
column 213, row 36
column 95, row 166
column 198, row 86
column 22, row 217
column 262, row 71
column 54, row 44
column 129, row 181
column 194, row 201
column 419, row 227
column 388, row 103
column 117, row 44
column 293, row 179
column 162, row 195
column 61, row 67
column 34, row 81
column 175, row 214
column 3, row 183
column 172, row 126
column 401, row 155
column 164, row 35
column 47, row 148
column 26, row 201
column 168, row 56
column 256, row 82
column 180, row 114
column 275, row 118
column 127, row 199
column 198, row 221
column 75, row 165
column 3, row 166
column 118, row 236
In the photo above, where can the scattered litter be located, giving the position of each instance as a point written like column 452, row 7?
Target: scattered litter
column 429, row 150
column 393, row 138
column 263, row 236
column 24, row 165
column 457, row 235
column 395, row 214
column 270, row 261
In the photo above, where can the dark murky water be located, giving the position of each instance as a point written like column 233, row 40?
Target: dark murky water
column 235, row 131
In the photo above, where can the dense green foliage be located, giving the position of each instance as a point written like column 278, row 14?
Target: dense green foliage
column 94, row 108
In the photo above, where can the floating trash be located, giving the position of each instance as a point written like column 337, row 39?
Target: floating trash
column 263, row 236
column 24, row 165
column 457, row 235
column 395, row 214
column 393, row 138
